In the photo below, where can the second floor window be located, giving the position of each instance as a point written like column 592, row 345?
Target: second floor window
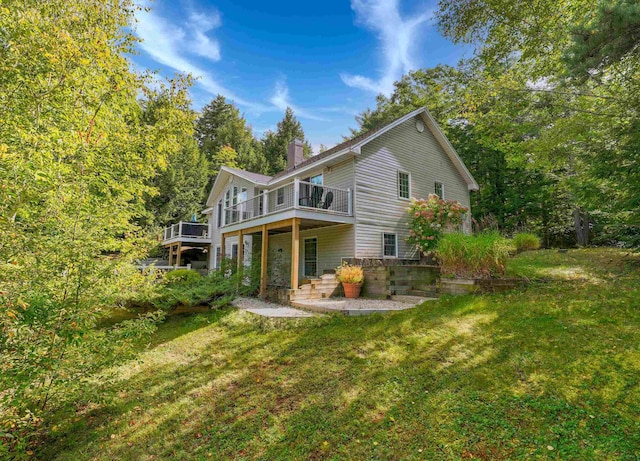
column 404, row 185
column 219, row 213
column 439, row 189
column 280, row 196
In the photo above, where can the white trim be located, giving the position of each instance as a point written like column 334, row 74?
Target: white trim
column 398, row 173
column 396, row 236
column 304, row 274
column 291, row 213
column 245, row 177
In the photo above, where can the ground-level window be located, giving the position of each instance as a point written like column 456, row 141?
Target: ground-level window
column 439, row 189
column 390, row 245
column 234, row 252
column 311, row 257
column 218, row 260
column 404, row 185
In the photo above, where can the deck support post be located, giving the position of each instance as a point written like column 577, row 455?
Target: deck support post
column 295, row 252
column 263, row 261
column 171, row 254
column 240, row 251
column 179, row 255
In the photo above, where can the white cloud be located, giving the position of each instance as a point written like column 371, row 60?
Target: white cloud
column 397, row 35
column 280, row 100
column 170, row 44
column 205, row 21
column 199, row 24
column 176, row 46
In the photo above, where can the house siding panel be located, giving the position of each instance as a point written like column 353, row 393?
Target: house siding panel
column 377, row 206
column 339, row 176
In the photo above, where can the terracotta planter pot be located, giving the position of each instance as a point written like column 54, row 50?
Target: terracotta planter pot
column 351, row 290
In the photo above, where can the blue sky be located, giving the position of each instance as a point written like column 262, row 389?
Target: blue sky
column 327, row 60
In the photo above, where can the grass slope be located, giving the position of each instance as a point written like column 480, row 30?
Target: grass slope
column 550, row 372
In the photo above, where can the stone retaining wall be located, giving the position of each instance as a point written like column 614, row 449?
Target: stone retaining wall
column 382, row 281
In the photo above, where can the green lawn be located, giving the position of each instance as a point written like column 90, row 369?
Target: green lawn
column 549, row 372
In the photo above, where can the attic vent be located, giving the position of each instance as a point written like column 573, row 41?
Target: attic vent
column 419, row 126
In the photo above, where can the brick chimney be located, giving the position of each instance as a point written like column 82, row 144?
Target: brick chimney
column 295, row 153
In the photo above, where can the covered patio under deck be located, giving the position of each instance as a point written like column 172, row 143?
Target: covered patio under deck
column 293, row 225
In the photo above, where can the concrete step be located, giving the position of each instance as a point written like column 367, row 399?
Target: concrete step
column 309, row 307
column 411, row 299
column 431, row 293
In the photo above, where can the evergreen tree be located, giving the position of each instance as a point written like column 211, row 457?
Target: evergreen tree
column 179, row 188
column 275, row 145
column 220, row 124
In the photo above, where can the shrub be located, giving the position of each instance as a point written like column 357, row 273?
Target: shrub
column 182, row 276
column 474, row 256
column 188, row 289
column 350, row 274
column 525, row 241
column 430, row 218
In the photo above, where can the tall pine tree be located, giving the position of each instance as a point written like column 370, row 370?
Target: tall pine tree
column 274, row 145
column 220, row 125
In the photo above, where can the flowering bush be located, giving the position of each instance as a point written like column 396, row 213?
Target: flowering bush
column 349, row 274
column 430, row 218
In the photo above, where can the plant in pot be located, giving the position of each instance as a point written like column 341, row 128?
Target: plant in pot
column 351, row 278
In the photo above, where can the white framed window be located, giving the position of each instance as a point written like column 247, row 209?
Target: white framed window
column 218, row 257
column 280, row 196
column 389, row 245
column 438, row 189
column 404, row 185
column 219, row 214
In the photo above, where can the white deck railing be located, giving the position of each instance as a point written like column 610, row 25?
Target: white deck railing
column 187, row 230
column 295, row 195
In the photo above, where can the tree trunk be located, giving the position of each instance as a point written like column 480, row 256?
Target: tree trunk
column 581, row 221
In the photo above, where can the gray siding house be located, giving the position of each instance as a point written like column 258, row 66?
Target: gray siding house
column 347, row 202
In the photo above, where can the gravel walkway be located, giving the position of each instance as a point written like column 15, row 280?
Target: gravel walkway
column 266, row 309
column 360, row 306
